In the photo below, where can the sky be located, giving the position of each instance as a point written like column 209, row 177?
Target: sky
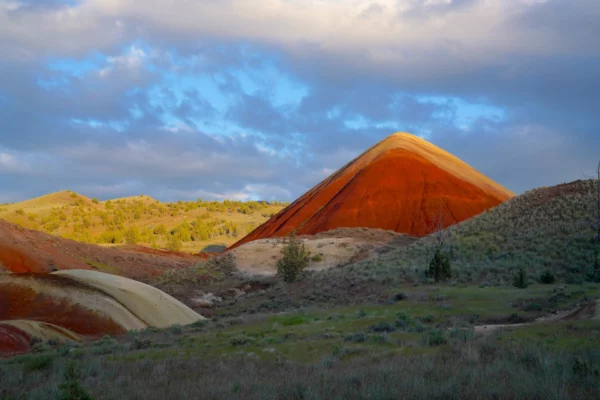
column 263, row 99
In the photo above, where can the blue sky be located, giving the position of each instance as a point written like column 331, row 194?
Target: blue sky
column 262, row 99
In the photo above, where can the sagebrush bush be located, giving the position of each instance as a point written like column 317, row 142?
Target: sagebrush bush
column 295, row 259
column 547, row 277
column 71, row 388
column 36, row 363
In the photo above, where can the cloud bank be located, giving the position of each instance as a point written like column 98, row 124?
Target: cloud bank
column 264, row 98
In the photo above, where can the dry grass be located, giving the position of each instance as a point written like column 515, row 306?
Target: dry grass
column 467, row 369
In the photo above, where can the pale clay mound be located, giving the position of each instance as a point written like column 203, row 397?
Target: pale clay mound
column 91, row 299
column 337, row 247
column 149, row 305
column 44, row 330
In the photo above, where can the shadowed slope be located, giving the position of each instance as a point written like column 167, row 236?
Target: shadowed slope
column 398, row 184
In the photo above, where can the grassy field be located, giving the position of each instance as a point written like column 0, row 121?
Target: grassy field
column 422, row 344
column 185, row 226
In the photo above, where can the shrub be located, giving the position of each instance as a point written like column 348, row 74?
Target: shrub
column 64, row 350
column 240, row 340
column 224, row 263
column 439, row 267
column 176, row 329
column 383, row 327
column 139, row 344
column 71, row 388
column 520, row 279
column 295, row 259
column 317, row 258
column 426, row 318
column 358, row 337
column 174, row 243
column 462, row 334
column 133, row 236
column 38, row 363
column 547, row 277
column 400, row 296
column 434, row 337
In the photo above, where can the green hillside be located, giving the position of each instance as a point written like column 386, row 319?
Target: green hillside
column 188, row 226
column 546, row 229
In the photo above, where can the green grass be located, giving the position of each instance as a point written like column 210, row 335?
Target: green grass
column 338, row 353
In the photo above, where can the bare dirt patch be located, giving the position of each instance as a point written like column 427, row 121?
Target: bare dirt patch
column 331, row 248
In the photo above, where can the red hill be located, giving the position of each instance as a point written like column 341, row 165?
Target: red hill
column 24, row 250
column 399, row 184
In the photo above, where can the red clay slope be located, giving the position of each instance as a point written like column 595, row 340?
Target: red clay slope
column 399, row 184
column 25, row 250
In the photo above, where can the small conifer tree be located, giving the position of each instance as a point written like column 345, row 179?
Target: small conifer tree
column 295, row 258
column 520, row 280
column 439, row 266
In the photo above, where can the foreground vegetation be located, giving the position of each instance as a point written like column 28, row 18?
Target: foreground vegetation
column 188, row 226
column 421, row 344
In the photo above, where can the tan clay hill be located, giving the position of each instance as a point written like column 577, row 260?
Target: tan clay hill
column 399, row 184
column 24, row 250
column 75, row 304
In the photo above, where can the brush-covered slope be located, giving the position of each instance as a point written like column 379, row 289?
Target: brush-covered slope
column 25, row 250
column 87, row 303
column 399, row 184
column 189, row 226
column 545, row 229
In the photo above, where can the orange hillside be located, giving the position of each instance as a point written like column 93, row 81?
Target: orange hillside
column 399, row 184
column 25, row 250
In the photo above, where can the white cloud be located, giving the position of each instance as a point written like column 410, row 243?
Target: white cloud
column 6, row 160
column 479, row 28
column 132, row 60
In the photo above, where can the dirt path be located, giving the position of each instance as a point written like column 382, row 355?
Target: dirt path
column 589, row 310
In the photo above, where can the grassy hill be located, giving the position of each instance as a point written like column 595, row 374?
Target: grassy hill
column 546, row 229
column 188, row 226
